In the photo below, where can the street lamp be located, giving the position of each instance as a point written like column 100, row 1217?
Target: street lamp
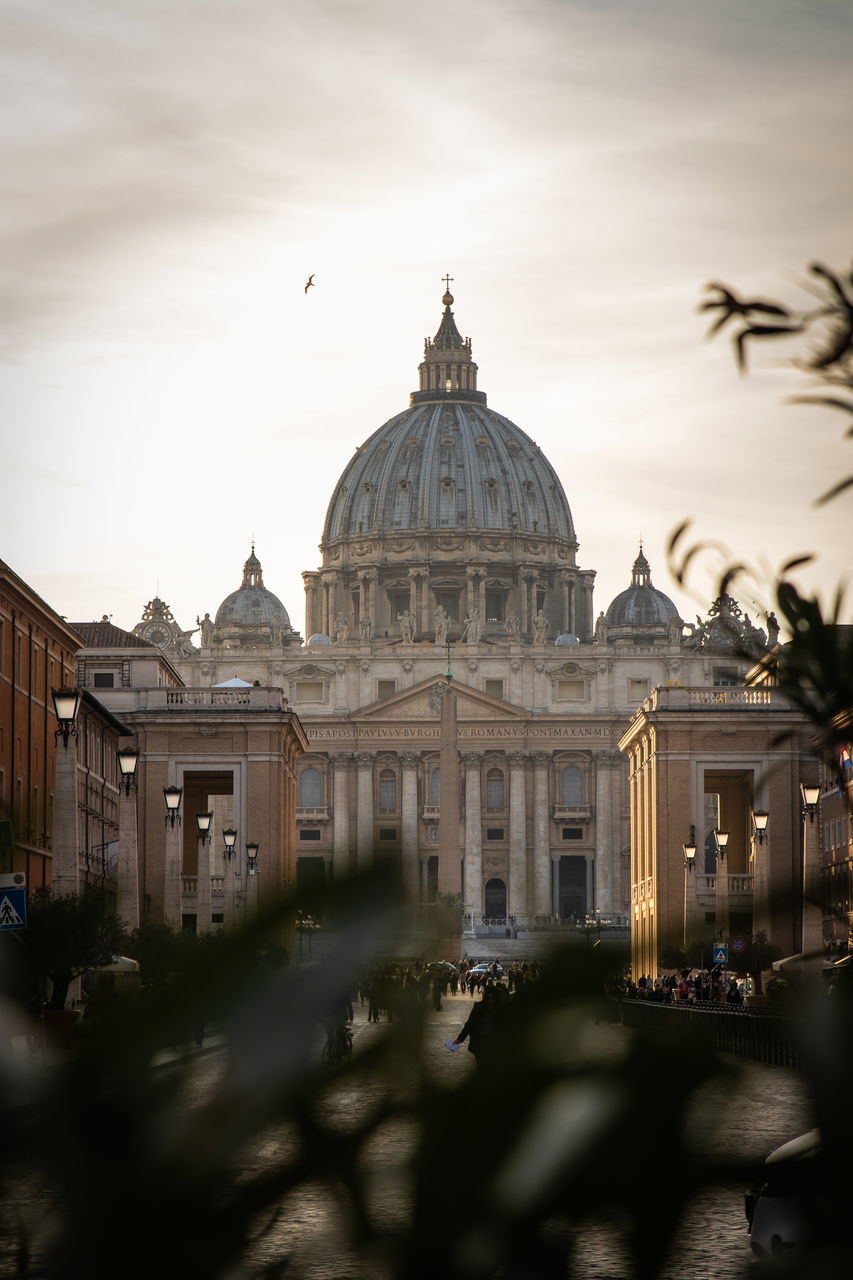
column 722, row 839
column 810, row 796
column 689, row 851
column 229, row 835
column 203, row 821
column 66, row 704
column 252, row 855
column 128, row 759
column 760, row 818
column 172, row 796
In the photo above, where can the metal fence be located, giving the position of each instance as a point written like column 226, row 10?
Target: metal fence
column 758, row 1034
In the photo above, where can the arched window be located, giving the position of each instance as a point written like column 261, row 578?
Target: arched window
column 310, row 789
column 494, row 789
column 571, row 785
column 388, row 790
column 435, row 786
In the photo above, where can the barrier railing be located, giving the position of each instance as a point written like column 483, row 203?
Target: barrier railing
column 761, row 1035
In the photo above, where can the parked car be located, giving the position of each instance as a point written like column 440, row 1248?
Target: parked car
column 785, row 1211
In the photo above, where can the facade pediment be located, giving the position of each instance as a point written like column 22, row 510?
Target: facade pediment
column 419, row 703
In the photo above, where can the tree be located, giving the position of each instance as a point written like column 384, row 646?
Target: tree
column 66, row 937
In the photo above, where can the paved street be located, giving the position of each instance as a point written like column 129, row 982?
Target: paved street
column 768, row 1108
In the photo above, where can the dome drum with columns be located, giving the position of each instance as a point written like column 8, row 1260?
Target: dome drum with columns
column 449, row 542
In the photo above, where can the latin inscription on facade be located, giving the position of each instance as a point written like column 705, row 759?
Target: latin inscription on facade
column 317, row 733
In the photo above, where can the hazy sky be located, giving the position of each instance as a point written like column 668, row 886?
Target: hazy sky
column 171, row 174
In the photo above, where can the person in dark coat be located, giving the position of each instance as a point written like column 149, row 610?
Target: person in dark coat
column 480, row 1026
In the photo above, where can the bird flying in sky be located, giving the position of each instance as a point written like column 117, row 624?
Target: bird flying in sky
column 310, row 283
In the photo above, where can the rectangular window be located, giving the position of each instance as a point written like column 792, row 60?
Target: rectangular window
column 494, row 606
column 726, row 676
column 494, row 688
column 571, row 690
column 494, row 833
column 494, row 793
column 309, row 833
column 387, row 833
column 388, row 793
column 104, row 680
column 573, row 833
column 309, row 691
column 386, row 689
column 637, row 690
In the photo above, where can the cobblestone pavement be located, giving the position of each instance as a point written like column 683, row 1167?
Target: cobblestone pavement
column 767, row 1108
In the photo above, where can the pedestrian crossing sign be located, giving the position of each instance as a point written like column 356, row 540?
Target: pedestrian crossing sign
column 721, row 954
column 13, row 909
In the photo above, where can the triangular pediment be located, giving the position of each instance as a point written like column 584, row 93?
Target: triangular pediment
column 419, row 703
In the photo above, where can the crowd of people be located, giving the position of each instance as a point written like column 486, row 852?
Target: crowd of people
column 708, row 986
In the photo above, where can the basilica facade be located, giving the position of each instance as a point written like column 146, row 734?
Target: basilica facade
column 449, row 568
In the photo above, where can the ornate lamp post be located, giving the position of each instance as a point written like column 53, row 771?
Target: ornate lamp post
column 229, row 836
column 812, row 927
column 721, row 903
column 251, row 880
column 66, row 704
column 760, row 873
column 689, row 851
column 203, row 913
column 65, row 871
column 127, row 902
column 174, row 860
column 128, row 761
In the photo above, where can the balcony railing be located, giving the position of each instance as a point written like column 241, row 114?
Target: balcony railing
column 312, row 813
column 572, row 812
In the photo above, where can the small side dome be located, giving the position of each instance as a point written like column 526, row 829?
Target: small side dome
column 567, row 638
column 640, row 605
column 252, row 604
column 318, row 638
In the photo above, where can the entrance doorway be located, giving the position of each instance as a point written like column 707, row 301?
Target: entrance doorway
column 495, row 897
column 572, row 888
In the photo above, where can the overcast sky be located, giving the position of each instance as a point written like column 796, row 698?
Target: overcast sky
column 171, row 175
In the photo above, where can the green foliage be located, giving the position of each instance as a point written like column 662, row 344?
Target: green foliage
column 65, row 938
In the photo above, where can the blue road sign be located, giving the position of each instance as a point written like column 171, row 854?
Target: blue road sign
column 738, row 944
column 721, row 954
column 13, row 909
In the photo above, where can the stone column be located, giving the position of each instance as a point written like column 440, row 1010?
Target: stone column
column 231, row 890
column 370, row 590
column 472, row 892
column 65, row 870
column 202, row 888
column 567, row 603
column 517, row 837
column 173, row 875
column 411, row 868
column 541, row 842
column 127, row 896
column 364, row 816
column 425, row 621
column 448, row 808
column 555, row 885
column 605, row 764
column 341, row 764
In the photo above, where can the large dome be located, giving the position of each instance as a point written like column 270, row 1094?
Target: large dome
column 251, row 604
column 448, row 466
column 448, row 462
column 641, row 604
